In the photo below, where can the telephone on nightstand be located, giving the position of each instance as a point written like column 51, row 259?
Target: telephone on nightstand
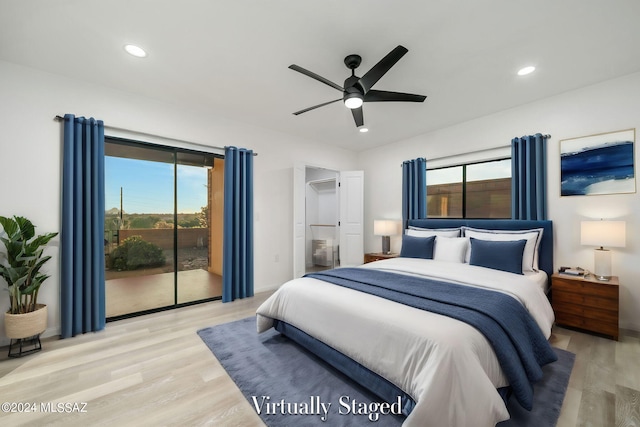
column 573, row 271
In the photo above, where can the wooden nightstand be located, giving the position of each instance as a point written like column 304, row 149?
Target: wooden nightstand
column 377, row 257
column 587, row 304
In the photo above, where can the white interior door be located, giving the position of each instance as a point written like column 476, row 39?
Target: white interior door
column 299, row 219
column 351, row 218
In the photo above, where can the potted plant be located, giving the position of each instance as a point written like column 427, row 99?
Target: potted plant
column 20, row 266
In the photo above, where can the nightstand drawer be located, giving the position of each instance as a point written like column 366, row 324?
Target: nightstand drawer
column 581, row 287
column 586, row 323
column 560, row 297
column 600, row 314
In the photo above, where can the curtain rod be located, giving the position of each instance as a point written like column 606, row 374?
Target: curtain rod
column 473, row 152
column 60, row 118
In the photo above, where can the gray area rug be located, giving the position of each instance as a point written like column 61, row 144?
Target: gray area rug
column 270, row 369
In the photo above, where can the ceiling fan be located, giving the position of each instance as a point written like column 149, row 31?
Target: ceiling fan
column 357, row 90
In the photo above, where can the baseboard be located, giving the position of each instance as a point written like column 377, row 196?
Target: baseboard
column 267, row 288
column 49, row 332
column 630, row 332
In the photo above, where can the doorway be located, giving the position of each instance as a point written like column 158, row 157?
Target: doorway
column 163, row 227
column 328, row 215
column 321, row 220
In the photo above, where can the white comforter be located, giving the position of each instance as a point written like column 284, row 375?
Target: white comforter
column 445, row 365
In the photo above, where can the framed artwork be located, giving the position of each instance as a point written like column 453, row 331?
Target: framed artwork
column 598, row 164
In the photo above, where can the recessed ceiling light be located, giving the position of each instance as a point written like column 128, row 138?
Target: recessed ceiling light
column 526, row 70
column 363, row 129
column 135, row 50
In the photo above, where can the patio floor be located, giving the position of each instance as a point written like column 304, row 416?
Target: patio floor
column 138, row 293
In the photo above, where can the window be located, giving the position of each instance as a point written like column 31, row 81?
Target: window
column 475, row 190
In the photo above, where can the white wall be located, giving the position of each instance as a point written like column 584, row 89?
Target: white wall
column 608, row 106
column 30, row 162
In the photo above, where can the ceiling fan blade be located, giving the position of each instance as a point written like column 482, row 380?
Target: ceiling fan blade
column 317, row 106
column 313, row 75
column 383, row 95
column 379, row 70
column 358, row 116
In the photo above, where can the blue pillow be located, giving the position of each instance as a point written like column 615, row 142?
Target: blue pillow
column 417, row 247
column 498, row 255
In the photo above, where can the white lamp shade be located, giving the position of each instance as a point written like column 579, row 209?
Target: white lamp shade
column 603, row 233
column 386, row 227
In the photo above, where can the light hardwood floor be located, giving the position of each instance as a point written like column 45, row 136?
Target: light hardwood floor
column 154, row 370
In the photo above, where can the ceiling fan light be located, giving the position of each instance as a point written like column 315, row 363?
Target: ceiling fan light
column 363, row 129
column 353, row 101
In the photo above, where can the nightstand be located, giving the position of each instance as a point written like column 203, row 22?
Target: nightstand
column 586, row 303
column 378, row 256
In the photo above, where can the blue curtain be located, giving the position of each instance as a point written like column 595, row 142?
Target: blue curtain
column 414, row 189
column 82, row 230
column 237, row 241
column 529, row 177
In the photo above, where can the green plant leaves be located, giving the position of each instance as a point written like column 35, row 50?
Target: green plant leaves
column 21, row 269
column 134, row 253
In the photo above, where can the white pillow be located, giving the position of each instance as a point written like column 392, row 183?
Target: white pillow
column 458, row 229
column 451, row 249
column 428, row 232
column 533, row 238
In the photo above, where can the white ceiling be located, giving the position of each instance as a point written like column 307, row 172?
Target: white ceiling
column 230, row 57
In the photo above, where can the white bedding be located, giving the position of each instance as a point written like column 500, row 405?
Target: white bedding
column 539, row 277
column 445, row 365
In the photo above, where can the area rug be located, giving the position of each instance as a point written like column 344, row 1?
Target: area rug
column 278, row 378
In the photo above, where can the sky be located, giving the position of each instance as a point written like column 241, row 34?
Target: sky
column 147, row 187
column 475, row 172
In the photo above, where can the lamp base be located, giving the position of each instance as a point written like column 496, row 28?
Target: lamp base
column 386, row 244
column 602, row 264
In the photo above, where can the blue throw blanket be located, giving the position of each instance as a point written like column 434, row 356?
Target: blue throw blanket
column 517, row 340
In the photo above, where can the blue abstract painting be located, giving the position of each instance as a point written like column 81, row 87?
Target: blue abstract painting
column 598, row 164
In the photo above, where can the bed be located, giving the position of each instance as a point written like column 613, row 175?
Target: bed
column 405, row 326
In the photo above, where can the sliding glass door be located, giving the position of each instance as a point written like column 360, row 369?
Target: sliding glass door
column 157, row 228
column 197, row 280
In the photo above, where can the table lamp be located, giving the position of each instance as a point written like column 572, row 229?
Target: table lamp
column 602, row 233
column 386, row 228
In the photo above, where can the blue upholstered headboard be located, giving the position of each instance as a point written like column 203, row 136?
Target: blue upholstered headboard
column 545, row 260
